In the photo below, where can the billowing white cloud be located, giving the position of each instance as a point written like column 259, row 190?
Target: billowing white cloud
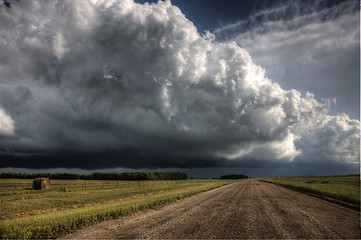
column 139, row 84
column 6, row 124
column 307, row 46
column 334, row 140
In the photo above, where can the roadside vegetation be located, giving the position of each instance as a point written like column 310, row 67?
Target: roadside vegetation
column 73, row 204
column 344, row 188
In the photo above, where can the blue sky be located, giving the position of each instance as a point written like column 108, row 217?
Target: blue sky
column 203, row 87
column 208, row 15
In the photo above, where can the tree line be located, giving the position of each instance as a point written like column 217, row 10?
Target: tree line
column 234, row 176
column 101, row 176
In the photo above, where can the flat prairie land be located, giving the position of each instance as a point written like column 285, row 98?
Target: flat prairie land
column 73, row 204
column 344, row 188
column 210, row 209
column 248, row 209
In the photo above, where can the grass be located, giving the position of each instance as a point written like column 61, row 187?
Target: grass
column 18, row 198
column 104, row 199
column 344, row 188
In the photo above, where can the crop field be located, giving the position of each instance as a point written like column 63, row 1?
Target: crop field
column 73, row 204
column 345, row 188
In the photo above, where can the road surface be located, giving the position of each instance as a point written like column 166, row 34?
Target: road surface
column 246, row 209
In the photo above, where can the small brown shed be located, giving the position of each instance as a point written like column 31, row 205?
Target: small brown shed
column 41, row 183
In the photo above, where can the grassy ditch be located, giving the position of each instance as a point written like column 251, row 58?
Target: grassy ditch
column 344, row 188
column 61, row 222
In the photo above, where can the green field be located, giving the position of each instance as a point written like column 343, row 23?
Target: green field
column 345, row 188
column 73, row 204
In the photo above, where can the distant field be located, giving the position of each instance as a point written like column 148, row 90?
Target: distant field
column 72, row 204
column 345, row 188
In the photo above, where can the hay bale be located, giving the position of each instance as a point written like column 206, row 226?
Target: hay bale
column 41, row 183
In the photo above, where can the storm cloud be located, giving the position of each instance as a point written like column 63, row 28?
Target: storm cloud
column 101, row 84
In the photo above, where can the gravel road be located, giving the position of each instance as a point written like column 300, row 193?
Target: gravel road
column 246, row 209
